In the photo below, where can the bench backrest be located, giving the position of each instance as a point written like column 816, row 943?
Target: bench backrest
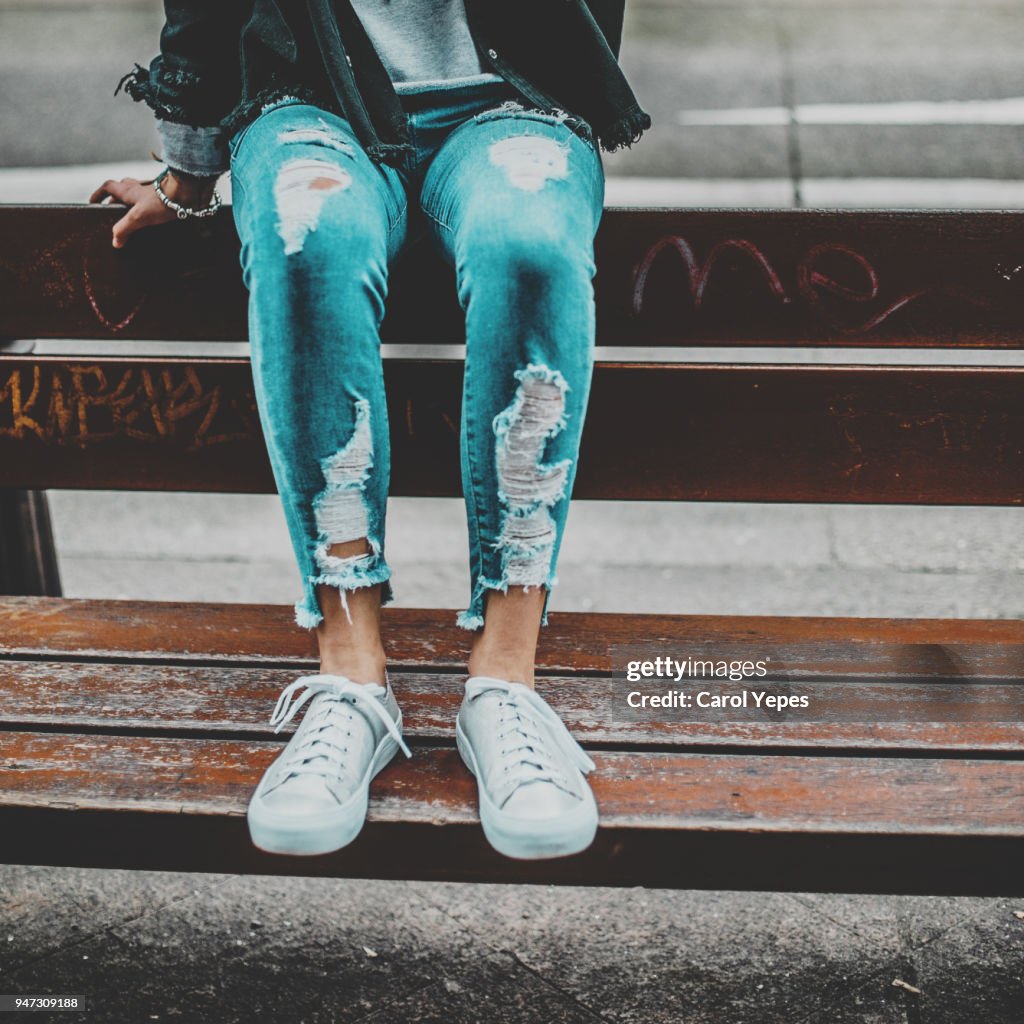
column 655, row 430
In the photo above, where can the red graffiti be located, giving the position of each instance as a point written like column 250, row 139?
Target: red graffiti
column 814, row 285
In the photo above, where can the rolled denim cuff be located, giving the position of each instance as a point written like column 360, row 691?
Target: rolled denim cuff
column 201, row 152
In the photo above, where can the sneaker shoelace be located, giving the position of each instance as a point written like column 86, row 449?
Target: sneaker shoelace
column 526, row 752
column 317, row 753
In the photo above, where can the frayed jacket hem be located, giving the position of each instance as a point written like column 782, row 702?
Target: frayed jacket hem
column 626, row 131
column 248, row 110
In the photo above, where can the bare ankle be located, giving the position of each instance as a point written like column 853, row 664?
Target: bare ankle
column 359, row 666
column 349, row 636
column 506, row 648
column 509, row 665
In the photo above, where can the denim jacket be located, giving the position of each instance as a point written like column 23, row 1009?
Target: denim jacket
column 221, row 61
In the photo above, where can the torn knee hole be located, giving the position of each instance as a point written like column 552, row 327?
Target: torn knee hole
column 531, row 161
column 300, row 191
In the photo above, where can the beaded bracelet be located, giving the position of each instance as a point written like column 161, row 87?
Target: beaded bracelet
column 183, row 212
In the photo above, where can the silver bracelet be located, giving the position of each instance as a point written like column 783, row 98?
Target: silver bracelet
column 184, row 212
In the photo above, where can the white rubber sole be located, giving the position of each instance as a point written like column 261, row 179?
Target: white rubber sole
column 308, row 837
column 521, row 838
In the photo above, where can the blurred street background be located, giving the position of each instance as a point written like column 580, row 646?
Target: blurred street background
column 813, row 103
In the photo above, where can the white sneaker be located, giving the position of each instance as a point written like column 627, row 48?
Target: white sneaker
column 313, row 797
column 531, row 774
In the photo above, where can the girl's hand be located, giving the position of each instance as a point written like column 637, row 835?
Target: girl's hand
column 146, row 209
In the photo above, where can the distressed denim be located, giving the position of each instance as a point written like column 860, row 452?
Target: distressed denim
column 511, row 197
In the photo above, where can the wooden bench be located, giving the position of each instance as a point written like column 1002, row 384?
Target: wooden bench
column 132, row 733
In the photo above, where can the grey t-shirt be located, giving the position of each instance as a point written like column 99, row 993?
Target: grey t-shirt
column 420, row 41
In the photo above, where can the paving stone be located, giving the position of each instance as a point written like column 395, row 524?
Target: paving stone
column 735, row 590
column 961, row 539
column 910, row 151
column 678, row 58
column 689, row 953
column 190, row 527
column 875, row 1003
column 495, row 989
column 46, row 912
column 892, row 922
column 297, row 950
column 339, row 950
column 748, row 151
column 696, row 534
column 975, row 972
column 115, row 898
column 165, row 579
column 885, row 40
column 37, row 915
column 269, row 948
column 166, row 969
column 41, row 50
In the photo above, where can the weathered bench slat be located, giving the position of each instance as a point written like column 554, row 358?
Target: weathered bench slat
column 895, row 434
column 235, row 703
column 644, row 790
column 683, row 277
column 167, row 803
column 235, row 634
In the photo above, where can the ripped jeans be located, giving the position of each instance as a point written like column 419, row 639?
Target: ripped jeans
column 511, row 198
